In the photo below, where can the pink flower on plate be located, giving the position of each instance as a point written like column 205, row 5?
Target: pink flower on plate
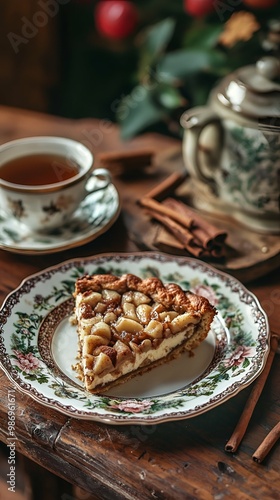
column 26, row 362
column 132, row 406
column 207, row 292
column 239, row 355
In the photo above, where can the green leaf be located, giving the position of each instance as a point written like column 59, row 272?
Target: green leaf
column 180, row 64
column 203, row 36
column 137, row 112
column 246, row 363
column 12, row 234
column 154, row 41
column 168, row 97
column 156, row 38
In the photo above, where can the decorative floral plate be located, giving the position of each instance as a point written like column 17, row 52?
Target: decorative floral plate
column 38, row 344
column 94, row 216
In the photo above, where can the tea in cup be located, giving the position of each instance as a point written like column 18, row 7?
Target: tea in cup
column 43, row 180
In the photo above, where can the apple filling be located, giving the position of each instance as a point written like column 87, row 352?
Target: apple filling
column 127, row 325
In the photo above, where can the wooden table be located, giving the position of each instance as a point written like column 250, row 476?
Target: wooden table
column 174, row 460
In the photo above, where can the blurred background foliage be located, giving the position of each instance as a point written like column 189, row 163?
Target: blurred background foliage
column 159, row 60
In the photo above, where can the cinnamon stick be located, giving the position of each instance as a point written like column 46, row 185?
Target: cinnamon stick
column 154, row 205
column 243, row 422
column 126, row 160
column 207, row 233
column 169, row 208
column 167, row 186
column 166, row 241
column 268, row 442
column 182, row 234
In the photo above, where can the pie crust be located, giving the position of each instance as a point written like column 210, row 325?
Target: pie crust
column 126, row 326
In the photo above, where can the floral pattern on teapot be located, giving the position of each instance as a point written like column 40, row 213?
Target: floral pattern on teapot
column 251, row 168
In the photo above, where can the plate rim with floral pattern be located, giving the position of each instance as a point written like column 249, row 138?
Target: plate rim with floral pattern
column 240, row 360
column 96, row 214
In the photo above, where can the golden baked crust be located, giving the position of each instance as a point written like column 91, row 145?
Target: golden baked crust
column 127, row 325
column 169, row 295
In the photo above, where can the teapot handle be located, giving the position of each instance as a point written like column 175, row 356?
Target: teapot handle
column 194, row 122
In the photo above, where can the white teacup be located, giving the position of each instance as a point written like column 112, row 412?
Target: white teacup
column 43, row 180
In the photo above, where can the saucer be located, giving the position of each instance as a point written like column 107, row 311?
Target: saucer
column 95, row 215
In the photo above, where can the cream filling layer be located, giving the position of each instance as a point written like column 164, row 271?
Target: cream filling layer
column 140, row 359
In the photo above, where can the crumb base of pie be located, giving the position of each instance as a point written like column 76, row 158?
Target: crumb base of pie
column 127, row 326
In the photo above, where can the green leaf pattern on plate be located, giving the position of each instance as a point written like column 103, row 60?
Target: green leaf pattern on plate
column 236, row 356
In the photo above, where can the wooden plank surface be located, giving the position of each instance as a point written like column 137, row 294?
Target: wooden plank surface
column 158, row 461
column 182, row 460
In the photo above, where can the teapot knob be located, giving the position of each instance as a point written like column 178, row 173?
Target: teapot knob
column 269, row 67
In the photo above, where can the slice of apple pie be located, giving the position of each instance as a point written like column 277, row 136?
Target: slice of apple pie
column 127, row 326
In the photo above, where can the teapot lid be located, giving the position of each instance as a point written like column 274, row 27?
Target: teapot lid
column 254, row 92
